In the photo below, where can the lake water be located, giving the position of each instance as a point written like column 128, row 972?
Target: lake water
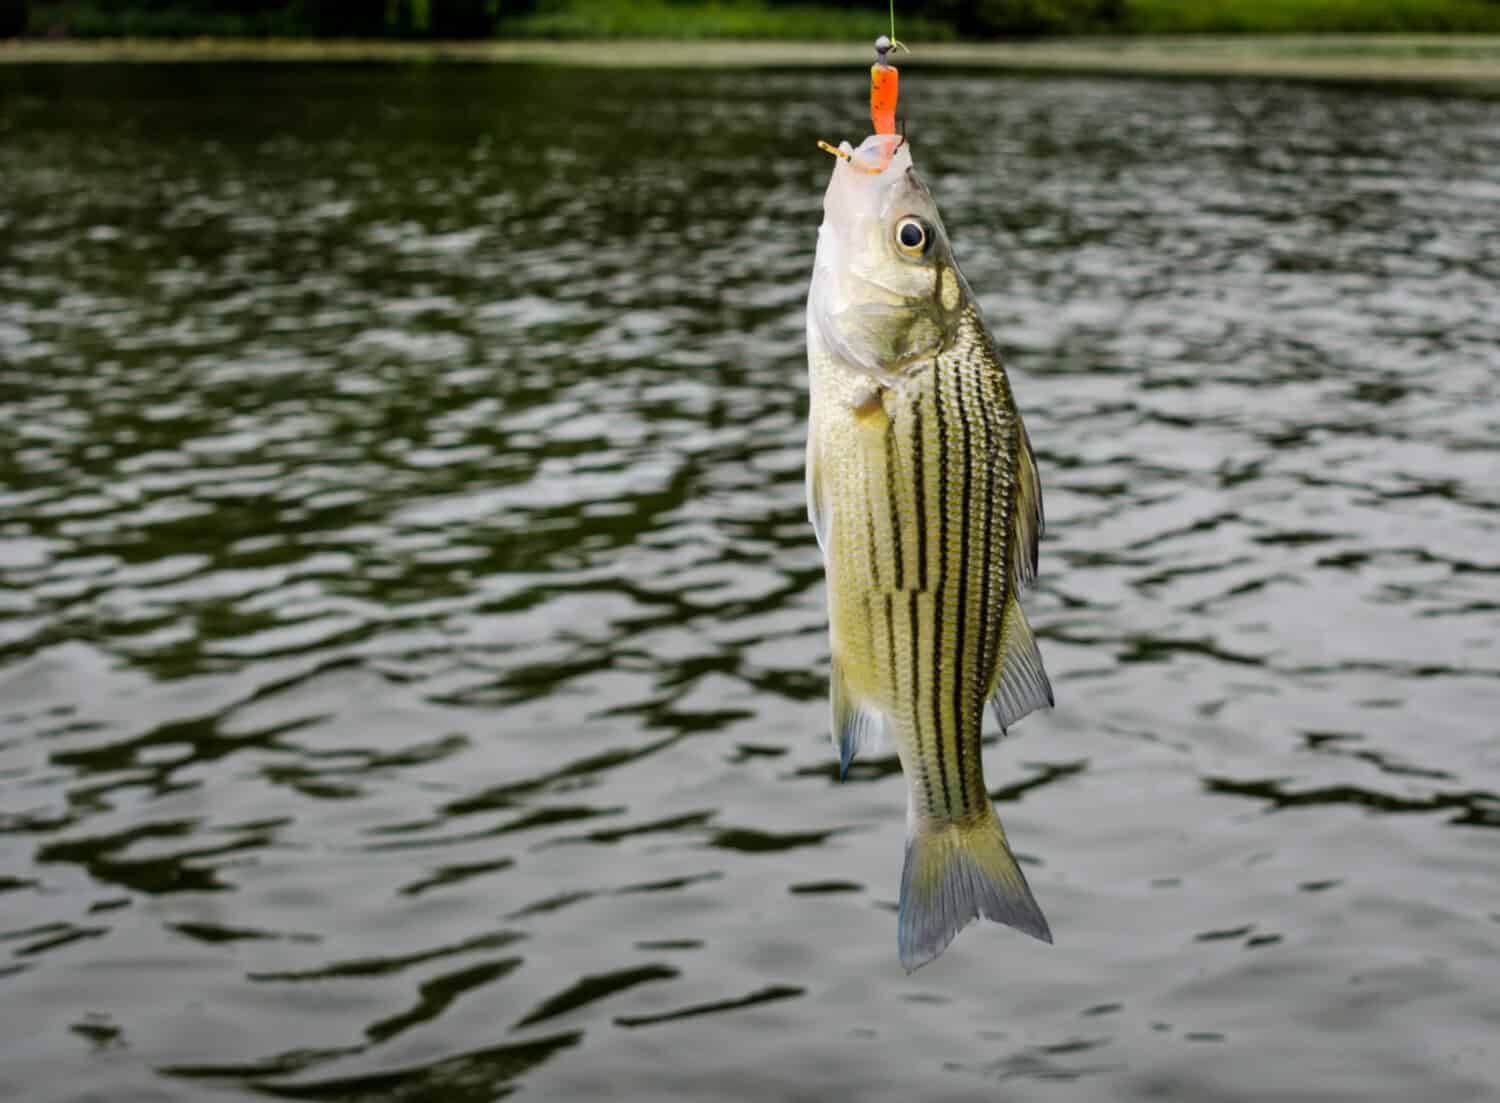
column 413, row 651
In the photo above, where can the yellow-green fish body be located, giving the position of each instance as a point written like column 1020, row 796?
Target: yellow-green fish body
column 923, row 490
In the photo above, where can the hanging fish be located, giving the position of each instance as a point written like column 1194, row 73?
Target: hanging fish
column 923, row 491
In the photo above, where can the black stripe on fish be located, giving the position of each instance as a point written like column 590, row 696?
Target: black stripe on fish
column 871, row 526
column 939, row 619
column 988, row 623
column 891, row 614
column 892, row 454
column 890, row 636
column 916, row 697
column 919, row 484
column 1008, row 506
column 961, row 679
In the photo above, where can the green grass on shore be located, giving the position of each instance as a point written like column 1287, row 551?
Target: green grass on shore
column 1310, row 16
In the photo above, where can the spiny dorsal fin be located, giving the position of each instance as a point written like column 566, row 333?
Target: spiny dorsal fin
column 1022, row 685
column 1030, row 522
column 856, row 726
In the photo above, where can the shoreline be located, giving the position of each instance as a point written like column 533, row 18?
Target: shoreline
column 1465, row 62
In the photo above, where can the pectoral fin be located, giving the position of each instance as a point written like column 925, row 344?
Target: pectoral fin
column 1022, row 685
column 856, row 726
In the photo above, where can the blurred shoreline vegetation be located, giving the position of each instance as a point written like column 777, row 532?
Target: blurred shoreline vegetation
column 839, row 20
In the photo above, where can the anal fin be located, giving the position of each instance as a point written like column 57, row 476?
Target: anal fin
column 856, row 726
column 1022, row 686
column 817, row 512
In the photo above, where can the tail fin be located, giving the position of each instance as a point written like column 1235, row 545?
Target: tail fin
column 953, row 873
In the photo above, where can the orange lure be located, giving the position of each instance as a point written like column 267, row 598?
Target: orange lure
column 885, row 81
column 884, row 86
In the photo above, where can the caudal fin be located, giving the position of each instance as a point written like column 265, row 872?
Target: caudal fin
column 954, row 873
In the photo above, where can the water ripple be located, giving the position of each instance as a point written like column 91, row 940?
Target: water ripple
column 413, row 650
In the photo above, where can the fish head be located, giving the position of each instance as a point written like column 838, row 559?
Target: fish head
column 886, row 293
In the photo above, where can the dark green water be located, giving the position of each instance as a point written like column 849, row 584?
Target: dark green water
column 412, row 645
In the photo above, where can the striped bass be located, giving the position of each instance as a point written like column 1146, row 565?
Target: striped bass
column 923, row 492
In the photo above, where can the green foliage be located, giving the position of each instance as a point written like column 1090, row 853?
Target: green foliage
column 715, row 19
column 345, row 18
column 112, row 18
column 1030, row 17
column 846, row 20
column 261, row 18
column 464, row 18
column 13, row 18
column 1310, row 16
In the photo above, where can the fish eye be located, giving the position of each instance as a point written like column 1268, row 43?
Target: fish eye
column 912, row 236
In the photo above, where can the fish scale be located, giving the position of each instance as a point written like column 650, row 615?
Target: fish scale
column 957, row 594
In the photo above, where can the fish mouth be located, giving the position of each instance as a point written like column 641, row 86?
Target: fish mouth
column 874, row 154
